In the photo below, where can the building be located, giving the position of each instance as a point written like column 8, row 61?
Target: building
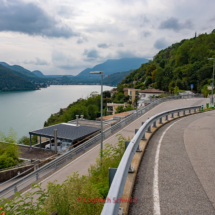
column 132, row 93
column 111, row 107
column 149, row 92
column 113, row 92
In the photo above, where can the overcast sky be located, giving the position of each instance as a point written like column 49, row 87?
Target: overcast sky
column 67, row 36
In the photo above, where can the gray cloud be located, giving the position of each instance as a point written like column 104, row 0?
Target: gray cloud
column 103, row 45
column 144, row 20
column 37, row 62
column 92, row 54
column 120, row 45
column 66, row 67
column 125, row 54
column 30, row 19
column 173, row 24
column 82, row 40
column 161, row 43
column 146, row 33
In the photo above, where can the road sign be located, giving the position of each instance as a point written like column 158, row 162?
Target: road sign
column 191, row 86
column 210, row 87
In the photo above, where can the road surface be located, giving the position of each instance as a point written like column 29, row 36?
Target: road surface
column 178, row 177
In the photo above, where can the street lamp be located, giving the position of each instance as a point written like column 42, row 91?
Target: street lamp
column 212, row 81
column 101, row 73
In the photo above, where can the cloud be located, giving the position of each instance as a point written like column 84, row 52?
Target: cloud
column 58, row 56
column 103, row 45
column 173, row 24
column 28, row 18
column 37, row 62
column 161, row 43
column 66, row 67
column 82, row 40
column 144, row 20
column 146, row 33
column 125, row 54
column 120, row 45
column 92, row 54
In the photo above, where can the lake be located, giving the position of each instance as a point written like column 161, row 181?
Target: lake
column 28, row 110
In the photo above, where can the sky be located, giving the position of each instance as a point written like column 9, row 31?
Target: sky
column 67, row 36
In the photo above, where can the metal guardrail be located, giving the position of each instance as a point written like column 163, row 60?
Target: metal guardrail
column 51, row 166
column 118, row 183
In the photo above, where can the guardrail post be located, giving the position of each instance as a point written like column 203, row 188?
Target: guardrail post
column 149, row 129
column 154, row 124
column 189, row 110
column 194, row 110
column 172, row 115
column 15, row 189
column 138, row 148
column 178, row 113
column 131, row 169
column 167, row 117
column 184, row 112
column 37, row 177
column 143, row 138
column 55, row 165
column 111, row 174
column 161, row 120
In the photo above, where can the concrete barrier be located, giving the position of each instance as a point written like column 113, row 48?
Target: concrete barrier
column 8, row 174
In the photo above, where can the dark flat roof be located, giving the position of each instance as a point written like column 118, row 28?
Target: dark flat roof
column 65, row 131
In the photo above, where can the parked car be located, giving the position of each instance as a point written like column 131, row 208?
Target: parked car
column 60, row 146
column 52, row 146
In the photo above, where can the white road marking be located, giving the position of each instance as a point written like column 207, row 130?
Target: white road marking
column 91, row 149
column 156, row 198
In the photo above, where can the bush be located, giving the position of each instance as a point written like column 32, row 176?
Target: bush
column 77, row 195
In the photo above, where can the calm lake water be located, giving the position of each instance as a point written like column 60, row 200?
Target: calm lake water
column 27, row 111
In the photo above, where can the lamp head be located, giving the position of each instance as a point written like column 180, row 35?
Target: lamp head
column 97, row 72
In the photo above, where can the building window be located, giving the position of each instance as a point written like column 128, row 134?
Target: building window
column 130, row 93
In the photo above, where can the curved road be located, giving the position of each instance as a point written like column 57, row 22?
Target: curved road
column 82, row 163
column 177, row 172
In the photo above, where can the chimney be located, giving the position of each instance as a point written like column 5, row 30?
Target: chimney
column 77, row 120
column 82, row 117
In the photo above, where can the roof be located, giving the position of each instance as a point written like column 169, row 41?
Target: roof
column 127, row 88
column 151, row 90
column 65, row 131
column 123, row 114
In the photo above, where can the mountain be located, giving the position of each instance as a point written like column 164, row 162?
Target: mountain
column 19, row 69
column 38, row 74
column 116, row 78
column 181, row 65
column 58, row 76
column 13, row 82
column 115, row 65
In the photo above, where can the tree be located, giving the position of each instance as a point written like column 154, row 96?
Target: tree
column 205, row 90
column 176, row 90
column 120, row 109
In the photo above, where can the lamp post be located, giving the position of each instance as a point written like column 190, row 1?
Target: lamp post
column 101, row 73
column 212, row 81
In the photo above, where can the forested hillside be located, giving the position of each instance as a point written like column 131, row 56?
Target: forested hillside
column 12, row 82
column 116, row 78
column 181, row 64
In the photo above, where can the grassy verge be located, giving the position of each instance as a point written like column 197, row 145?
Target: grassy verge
column 77, row 195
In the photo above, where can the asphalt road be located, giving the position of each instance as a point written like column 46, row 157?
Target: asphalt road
column 82, row 163
column 177, row 172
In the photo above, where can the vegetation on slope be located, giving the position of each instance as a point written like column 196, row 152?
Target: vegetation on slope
column 180, row 65
column 9, row 154
column 12, row 82
column 76, row 195
column 89, row 107
column 116, row 78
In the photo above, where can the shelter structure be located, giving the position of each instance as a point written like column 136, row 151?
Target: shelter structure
column 65, row 132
